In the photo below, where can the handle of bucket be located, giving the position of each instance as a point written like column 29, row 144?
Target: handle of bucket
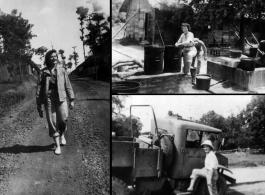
column 160, row 34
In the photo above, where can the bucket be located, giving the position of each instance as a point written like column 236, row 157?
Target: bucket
column 172, row 58
column 235, row 53
column 122, row 69
column 125, row 87
column 203, row 81
column 193, row 73
column 247, row 64
column 253, row 51
column 153, row 59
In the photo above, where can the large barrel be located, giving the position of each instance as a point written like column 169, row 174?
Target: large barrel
column 247, row 64
column 253, row 51
column 172, row 58
column 203, row 81
column 153, row 59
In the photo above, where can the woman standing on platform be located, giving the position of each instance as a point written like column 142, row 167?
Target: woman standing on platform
column 189, row 51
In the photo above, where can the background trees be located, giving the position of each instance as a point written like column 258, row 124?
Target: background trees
column 117, row 17
column 121, row 124
column 231, row 11
column 201, row 13
column 15, row 39
column 97, row 30
column 246, row 129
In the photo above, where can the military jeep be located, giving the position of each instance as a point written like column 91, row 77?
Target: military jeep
column 162, row 161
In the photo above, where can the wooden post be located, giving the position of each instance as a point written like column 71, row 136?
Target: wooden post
column 242, row 34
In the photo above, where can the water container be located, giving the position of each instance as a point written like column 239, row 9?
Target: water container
column 253, row 51
column 203, row 81
column 172, row 58
column 125, row 87
column 247, row 64
column 153, row 59
column 122, row 69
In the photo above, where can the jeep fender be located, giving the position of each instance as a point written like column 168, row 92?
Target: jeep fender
column 220, row 172
column 221, row 169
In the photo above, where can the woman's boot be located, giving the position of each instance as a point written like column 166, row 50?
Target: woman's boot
column 192, row 182
column 57, row 142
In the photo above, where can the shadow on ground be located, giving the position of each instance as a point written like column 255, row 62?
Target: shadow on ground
column 16, row 149
column 127, row 41
column 234, row 192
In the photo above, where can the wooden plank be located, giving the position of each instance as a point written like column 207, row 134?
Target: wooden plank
column 122, row 153
column 146, row 162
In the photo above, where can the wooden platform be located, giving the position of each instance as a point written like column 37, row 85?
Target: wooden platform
column 165, row 83
column 246, row 80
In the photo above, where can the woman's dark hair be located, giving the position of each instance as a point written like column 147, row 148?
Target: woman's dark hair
column 186, row 25
column 48, row 55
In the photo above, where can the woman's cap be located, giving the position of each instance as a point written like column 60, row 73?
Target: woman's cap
column 208, row 143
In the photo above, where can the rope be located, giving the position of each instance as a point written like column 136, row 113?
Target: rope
column 122, row 53
column 160, row 34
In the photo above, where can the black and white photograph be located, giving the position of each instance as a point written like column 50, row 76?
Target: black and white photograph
column 55, row 97
column 188, row 46
column 188, row 144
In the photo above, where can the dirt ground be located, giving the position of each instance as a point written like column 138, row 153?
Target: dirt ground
column 27, row 163
column 247, row 189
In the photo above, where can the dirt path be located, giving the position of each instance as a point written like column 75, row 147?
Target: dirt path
column 29, row 166
column 247, row 189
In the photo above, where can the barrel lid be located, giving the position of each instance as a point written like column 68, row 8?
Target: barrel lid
column 203, row 76
column 154, row 46
column 246, row 59
column 235, row 50
column 174, row 46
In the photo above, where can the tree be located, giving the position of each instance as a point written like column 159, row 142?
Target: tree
column 97, row 27
column 41, row 51
column 61, row 52
column 117, row 104
column 75, row 56
column 121, row 125
column 228, row 11
column 255, row 120
column 117, row 17
column 82, row 12
column 215, row 120
column 181, row 13
column 69, row 65
column 15, row 41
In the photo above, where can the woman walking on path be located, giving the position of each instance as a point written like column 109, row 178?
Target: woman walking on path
column 187, row 41
column 52, row 88
column 209, row 171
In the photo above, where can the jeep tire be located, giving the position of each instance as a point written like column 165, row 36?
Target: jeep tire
column 221, row 186
column 167, row 145
column 119, row 187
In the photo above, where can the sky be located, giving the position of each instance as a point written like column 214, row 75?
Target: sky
column 55, row 22
column 185, row 105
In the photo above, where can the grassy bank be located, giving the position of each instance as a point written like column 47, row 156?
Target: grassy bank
column 242, row 159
